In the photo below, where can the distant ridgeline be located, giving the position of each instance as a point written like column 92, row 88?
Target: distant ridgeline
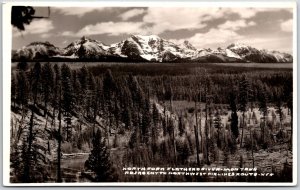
column 150, row 48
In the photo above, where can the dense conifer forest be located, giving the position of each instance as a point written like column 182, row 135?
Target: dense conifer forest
column 85, row 123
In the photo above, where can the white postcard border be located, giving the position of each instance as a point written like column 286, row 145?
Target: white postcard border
column 7, row 46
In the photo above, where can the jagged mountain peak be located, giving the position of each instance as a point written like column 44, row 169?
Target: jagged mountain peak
column 46, row 43
column 150, row 48
column 87, row 46
column 148, row 37
column 141, row 47
column 83, row 40
column 242, row 49
column 37, row 50
column 237, row 45
column 188, row 45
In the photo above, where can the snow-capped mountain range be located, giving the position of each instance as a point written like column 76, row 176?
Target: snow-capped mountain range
column 147, row 48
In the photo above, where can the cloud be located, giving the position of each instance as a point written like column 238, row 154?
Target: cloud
column 67, row 33
column 77, row 11
column 132, row 13
column 287, row 26
column 211, row 39
column 245, row 12
column 155, row 21
column 251, row 23
column 214, row 37
column 236, row 25
column 221, row 37
column 46, row 35
column 175, row 18
column 109, row 28
column 249, row 12
column 158, row 20
column 284, row 44
column 39, row 26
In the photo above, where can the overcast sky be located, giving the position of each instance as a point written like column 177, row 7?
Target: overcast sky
column 204, row 27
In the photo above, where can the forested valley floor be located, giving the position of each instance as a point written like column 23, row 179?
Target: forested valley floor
column 82, row 122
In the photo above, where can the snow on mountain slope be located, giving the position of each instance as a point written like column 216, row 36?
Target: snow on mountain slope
column 150, row 48
column 218, row 55
column 188, row 49
column 202, row 52
column 138, row 44
column 230, row 53
column 242, row 49
column 37, row 50
column 282, row 57
column 116, row 49
column 86, row 47
column 172, row 49
column 187, row 45
column 261, row 56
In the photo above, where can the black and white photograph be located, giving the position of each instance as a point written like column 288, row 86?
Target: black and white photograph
column 151, row 94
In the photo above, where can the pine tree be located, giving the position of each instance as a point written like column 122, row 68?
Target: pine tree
column 77, row 93
column 183, row 150
column 59, row 136
column 169, row 95
column 170, row 131
column 290, row 107
column 83, row 77
column 82, row 84
column 181, row 126
column 146, row 125
column 278, row 107
column 57, row 104
column 13, row 89
column 99, row 161
column 22, row 89
column 288, row 97
column 196, row 127
column 28, row 162
column 109, row 89
column 155, row 114
column 28, row 158
column 243, row 101
column 125, row 105
column 95, row 91
column 91, row 106
column 55, row 90
column 134, row 140
column 36, row 81
column 126, row 117
column 263, row 109
column 22, row 66
column 208, row 102
column 218, row 124
column 234, row 116
column 138, row 96
column 109, row 85
column 47, row 83
column 67, row 90
column 67, row 98
column 164, row 126
column 154, row 128
column 117, row 114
